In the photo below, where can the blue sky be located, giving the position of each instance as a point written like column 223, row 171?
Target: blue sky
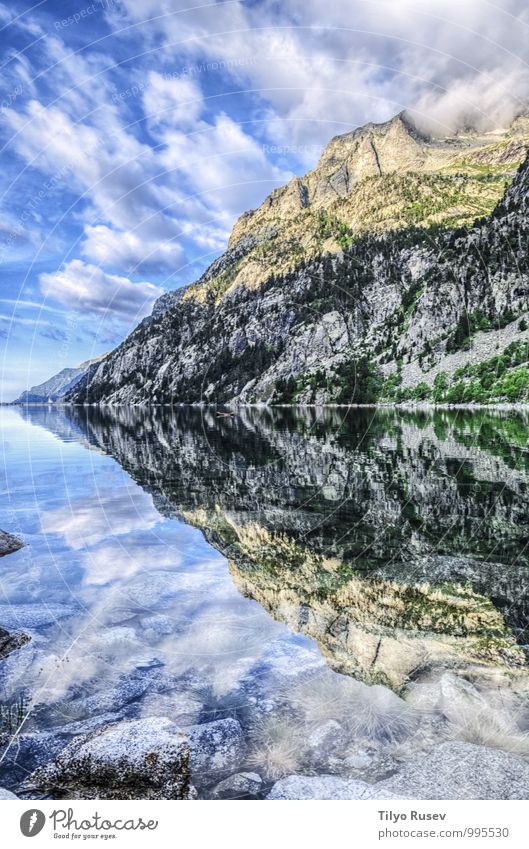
column 134, row 132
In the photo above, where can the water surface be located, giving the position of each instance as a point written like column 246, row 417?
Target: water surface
column 352, row 586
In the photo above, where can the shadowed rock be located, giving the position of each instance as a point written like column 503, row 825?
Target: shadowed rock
column 9, row 543
column 10, row 642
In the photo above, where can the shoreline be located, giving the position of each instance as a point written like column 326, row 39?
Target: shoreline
column 422, row 406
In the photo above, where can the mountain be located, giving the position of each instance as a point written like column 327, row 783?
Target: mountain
column 395, row 270
column 58, row 385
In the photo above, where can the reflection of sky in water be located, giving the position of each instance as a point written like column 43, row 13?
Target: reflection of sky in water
column 107, row 587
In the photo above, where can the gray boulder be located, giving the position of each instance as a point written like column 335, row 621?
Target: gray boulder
column 242, row 784
column 136, row 759
column 6, row 794
column 215, row 749
column 10, row 642
column 458, row 771
column 318, row 787
column 9, row 543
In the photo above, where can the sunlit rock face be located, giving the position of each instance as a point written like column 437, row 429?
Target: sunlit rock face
column 394, row 540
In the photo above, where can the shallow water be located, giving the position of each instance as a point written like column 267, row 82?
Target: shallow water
column 351, row 586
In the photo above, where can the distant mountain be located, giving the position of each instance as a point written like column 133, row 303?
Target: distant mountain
column 58, row 385
column 396, row 270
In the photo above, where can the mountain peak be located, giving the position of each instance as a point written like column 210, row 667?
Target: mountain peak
column 365, row 180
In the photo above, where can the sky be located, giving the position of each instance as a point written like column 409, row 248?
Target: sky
column 133, row 133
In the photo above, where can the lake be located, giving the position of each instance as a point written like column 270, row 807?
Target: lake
column 350, row 585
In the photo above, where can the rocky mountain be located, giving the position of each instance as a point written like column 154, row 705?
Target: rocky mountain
column 395, row 270
column 58, row 385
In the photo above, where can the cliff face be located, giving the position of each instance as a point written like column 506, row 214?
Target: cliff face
column 366, row 267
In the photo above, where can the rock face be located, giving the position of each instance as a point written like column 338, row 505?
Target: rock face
column 459, row 771
column 147, row 758
column 339, row 276
column 9, row 641
column 9, row 543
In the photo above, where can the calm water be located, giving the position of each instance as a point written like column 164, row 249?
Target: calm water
column 351, row 586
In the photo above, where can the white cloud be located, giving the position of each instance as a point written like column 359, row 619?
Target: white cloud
column 128, row 248
column 361, row 61
column 169, row 101
column 81, row 286
column 224, row 164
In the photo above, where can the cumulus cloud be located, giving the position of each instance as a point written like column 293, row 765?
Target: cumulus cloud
column 224, row 164
column 81, row 286
column 118, row 248
column 364, row 61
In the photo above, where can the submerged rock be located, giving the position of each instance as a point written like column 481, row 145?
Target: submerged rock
column 137, row 759
column 327, row 737
column 241, row 785
column 215, row 749
column 459, row 771
column 318, row 787
column 9, row 543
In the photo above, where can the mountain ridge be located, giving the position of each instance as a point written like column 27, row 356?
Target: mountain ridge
column 370, row 316
column 58, row 385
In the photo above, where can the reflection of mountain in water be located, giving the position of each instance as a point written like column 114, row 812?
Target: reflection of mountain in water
column 383, row 535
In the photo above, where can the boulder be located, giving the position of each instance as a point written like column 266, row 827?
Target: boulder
column 458, row 770
column 240, row 785
column 134, row 759
column 318, row 787
column 10, row 642
column 215, row 750
column 9, row 543
column 6, row 794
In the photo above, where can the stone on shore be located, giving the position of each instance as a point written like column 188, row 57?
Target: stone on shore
column 6, row 794
column 458, row 770
column 9, row 543
column 10, row 642
column 318, row 787
column 134, row 759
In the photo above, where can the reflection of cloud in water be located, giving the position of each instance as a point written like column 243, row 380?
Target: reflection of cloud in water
column 115, row 562
column 88, row 520
column 222, row 641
